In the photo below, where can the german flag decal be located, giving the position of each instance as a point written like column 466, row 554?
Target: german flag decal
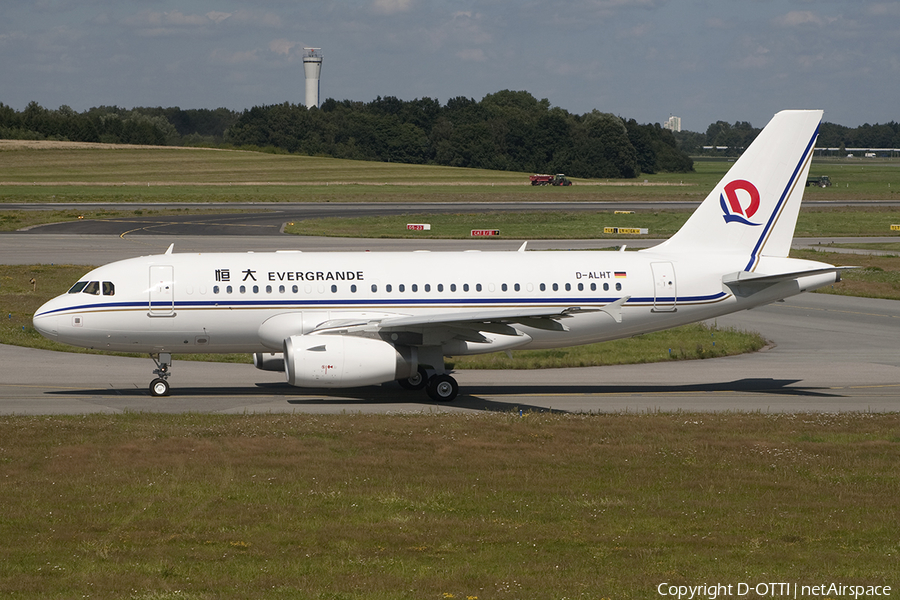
column 621, row 275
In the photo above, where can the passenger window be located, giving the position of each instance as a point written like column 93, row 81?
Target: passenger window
column 465, row 287
column 440, row 287
column 517, row 287
column 92, row 288
column 503, row 287
column 555, row 287
column 243, row 289
column 215, row 289
column 401, row 288
column 229, row 289
column 593, row 287
column 543, row 287
column 568, row 287
column 580, row 287
column 618, row 287
column 334, row 289
column 452, row 287
column 255, row 289
column 427, row 287
column 268, row 289
column 374, row 288
column 415, row 287
column 280, row 289
column 605, row 287
column 295, row 289
column 77, row 287
column 387, row 287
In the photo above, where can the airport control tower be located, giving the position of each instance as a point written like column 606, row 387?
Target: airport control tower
column 312, row 66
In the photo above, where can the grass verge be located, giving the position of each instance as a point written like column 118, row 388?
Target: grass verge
column 197, row 507
column 71, row 173
column 688, row 342
column 878, row 277
column 814, row 222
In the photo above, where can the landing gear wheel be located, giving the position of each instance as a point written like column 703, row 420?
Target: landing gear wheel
column 442, row 388
column 159, row 387
column 416, row 382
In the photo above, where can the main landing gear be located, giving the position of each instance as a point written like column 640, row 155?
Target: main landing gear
column 159, row 386
column 439, row 387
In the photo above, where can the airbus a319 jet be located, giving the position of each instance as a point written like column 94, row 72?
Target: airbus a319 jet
column 347, row 319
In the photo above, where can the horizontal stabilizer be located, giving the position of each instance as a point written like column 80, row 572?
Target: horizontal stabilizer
column 744, row 283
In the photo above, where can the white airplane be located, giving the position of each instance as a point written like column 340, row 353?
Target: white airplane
column 346, row 319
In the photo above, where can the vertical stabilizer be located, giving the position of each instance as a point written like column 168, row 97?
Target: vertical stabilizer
column 754, row 208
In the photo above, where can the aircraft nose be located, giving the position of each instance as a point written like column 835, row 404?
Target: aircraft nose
column 47, row 325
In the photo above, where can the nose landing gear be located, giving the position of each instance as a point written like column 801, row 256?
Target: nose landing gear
column 159, row 386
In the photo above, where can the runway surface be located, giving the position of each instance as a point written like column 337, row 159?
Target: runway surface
column 830, row 354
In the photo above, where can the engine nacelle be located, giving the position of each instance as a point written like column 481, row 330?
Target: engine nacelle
column 269, row 361
column 339, row 361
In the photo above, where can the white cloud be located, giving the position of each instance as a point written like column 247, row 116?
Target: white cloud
column 799, row 17
column 217, row 16
column 756, row 59
column 390, row 7
column 282, row 46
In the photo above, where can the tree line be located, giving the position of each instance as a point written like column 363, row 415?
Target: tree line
column 114, row 125
column 507, row 130
column 732, row 139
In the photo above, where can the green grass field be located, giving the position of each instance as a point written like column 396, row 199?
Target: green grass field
column 60, row 173
column 427, row 506
column 477, row 506
column 812, row 222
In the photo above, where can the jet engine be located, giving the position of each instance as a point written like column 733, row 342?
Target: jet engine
column 339, row 361
column 269, row 361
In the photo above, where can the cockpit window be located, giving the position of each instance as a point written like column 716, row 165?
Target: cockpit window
column 109, row 289
column 77, row 287
column 92, row 288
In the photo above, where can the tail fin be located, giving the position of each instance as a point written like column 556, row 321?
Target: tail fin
column 753, row 209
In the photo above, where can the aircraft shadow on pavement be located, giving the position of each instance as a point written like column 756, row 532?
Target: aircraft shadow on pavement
column 473, row 397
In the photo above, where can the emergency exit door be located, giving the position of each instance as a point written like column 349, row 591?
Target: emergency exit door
column 665, row 290
column 162, row 291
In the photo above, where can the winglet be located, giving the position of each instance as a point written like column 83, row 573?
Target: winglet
column 170, row 248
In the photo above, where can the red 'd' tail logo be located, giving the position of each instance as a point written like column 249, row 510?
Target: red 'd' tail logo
column 733, row 211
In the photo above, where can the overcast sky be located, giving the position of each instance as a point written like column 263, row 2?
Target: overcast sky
column 702, row 60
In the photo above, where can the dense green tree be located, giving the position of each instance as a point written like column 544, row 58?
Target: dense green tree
column 507, row 130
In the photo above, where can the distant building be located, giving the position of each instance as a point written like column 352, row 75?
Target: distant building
column 673, row 123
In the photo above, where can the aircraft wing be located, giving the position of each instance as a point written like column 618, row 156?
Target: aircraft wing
column 495, row 320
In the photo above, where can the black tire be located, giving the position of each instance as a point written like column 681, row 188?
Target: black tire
column 159, row 387
column 416, row 382
column 442, row 388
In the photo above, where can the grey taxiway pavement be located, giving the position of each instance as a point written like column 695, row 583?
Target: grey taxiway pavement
column 829, row 354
